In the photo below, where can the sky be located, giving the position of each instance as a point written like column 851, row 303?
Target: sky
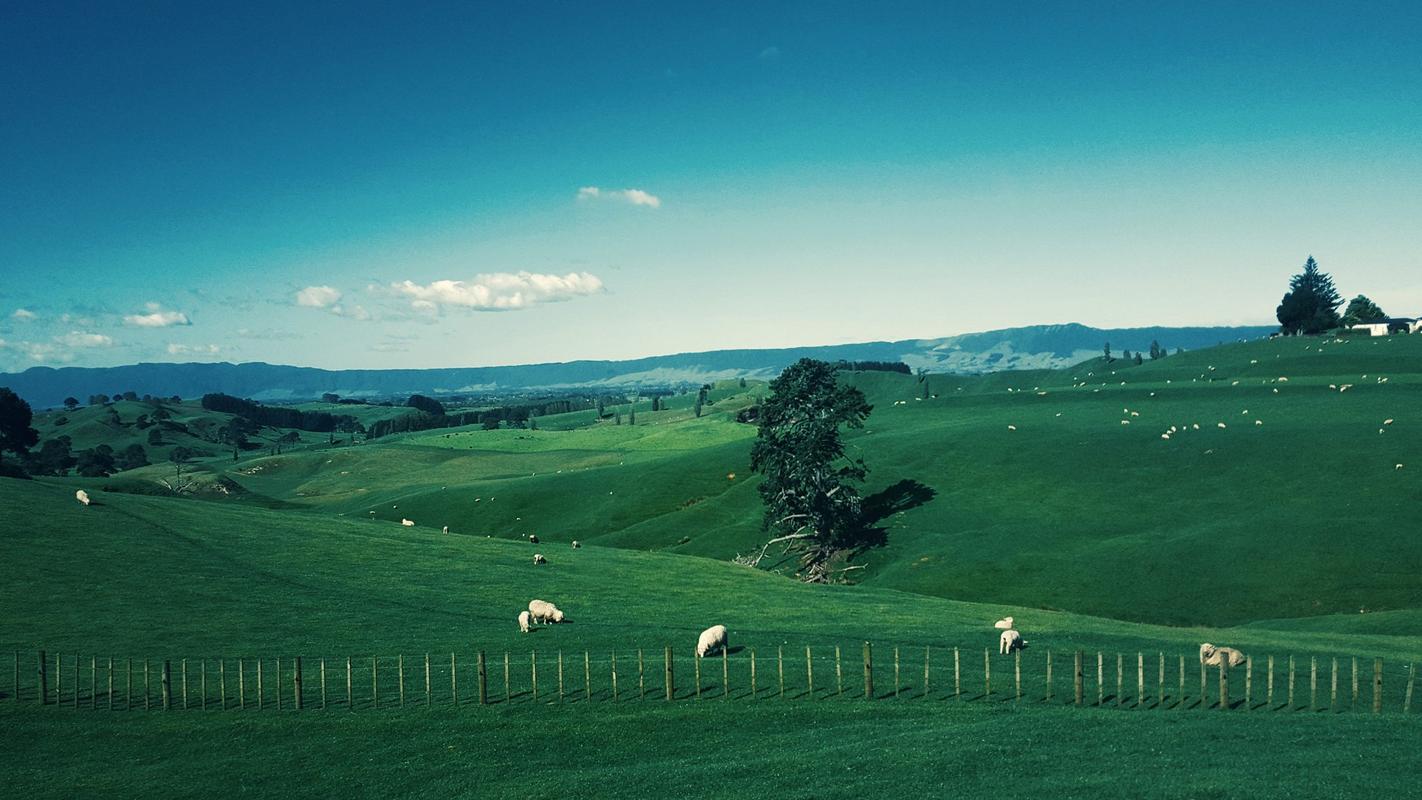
column 363, row 185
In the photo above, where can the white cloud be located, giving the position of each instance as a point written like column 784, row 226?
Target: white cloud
column 157, row 318
column 195, row 349
column 81, row 339
column 24, row 315
column 318, row 297
column 636, row 197
column 499, row 291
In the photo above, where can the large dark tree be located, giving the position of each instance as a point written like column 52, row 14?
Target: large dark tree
column 429, row 405
column 1311, row 304
column 96, row 463
column 808, row 491
column 16, row 435
column 1361, row 309
column 55, row 457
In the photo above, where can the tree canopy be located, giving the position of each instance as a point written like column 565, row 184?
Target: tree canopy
column 16, row 435
column 1311, row 304
column 808, row 489
column 1361, row 309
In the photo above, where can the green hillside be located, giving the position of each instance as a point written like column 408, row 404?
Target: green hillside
column 1295, row 508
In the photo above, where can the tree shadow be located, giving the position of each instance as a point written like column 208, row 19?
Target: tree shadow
column 880, row 506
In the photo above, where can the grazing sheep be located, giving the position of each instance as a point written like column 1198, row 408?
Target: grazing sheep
column 1012, row 427
column 1009, row 641
column 82, row 496
column 1003, row 624
column 532, row 539
column 523, row 621
column 1258, row 422
column 1211, row 656
column 1387, row 422
column 1219, row 425
column 544, row 612
column 539, row 559
column 712, row 640
column 1399, row 466
column 409, row 523
column 1125, row 422
column 446, row 529
column 576, row 545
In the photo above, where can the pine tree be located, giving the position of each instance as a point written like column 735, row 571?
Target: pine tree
column 632, row 414
column 1311, row 304
column 1139, row 360
column 1107, row 351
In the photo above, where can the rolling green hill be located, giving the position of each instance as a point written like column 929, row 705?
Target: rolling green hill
column 1295, row 508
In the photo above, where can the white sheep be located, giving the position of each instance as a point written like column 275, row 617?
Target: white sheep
column 1003, row 624
column 539, row 559
column 82, row 496
column 446, row 529
column 576, row 545
column 544, row 612
column 409, row 523
column 523, row 621
column 1012, row 427
column 1211, row 656
column 1010, row 640
column 1387, row 422
column 712, row 640
column 532, row 539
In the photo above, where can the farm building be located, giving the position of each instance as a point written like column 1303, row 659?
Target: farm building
column 1383, row 327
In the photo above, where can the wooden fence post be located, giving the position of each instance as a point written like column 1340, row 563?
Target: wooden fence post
column 166, row 683
column 221, row 682
column 1248, row 681
column 1411, row 680
column 1224, row 684
column 374, row 682
column 483, row 681
column 1049, row 676
column 76, row 683
column 276, row 684
column 671, row 678
column 1120, row 666
column 58, row 679
column 1017, row 673
column 614, row 676
column 453, row 680
column 1377, row 685
column 297, row 698
column 185, row 686
column 1077, row 681
column 1160, row 684
column 696, row 662
column 987, row 673
column 350, row 698
column 838, row 673
column 42, row 678
column 16, row 696
column 725, row 674
column 400, row 676
column 94, row 683
column 925, row 671
column 507, row 696
column 753, row 686
column 260, row 693
column 641, row 682
column 957, row 684
column 1204, row 688
column 897, row 683
column 810, row 672
column 868, row 672
column 560, row 676
column 427, row 680
column 323, row 684
column 241, row 684
column 1140, row 677
column 1291, row 683
column 1354, row 705
column 147, row 687
column 587, row 675
column 1180, row 702
column 1313, row 683
column 533, row 670
column 780, row 667
column 1269, row 698
column 1333, row 685
column 1100, row 679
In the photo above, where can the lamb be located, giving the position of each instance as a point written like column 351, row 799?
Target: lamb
column 576, row 545
column 532, row 539
column 1212, row 656
column 712, row 640
column 82, row 496
column 539, row 559
column 409, row 523
column 544, row 612
column 523, row 621
column 1003, row 624
column 1010, row 640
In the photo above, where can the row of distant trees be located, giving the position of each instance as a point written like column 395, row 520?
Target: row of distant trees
column 1312, row 302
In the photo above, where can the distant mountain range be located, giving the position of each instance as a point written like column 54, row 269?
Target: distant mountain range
column 1032, row 347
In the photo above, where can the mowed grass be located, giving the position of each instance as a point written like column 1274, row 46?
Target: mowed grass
column 1304, row 514
column 706, row 749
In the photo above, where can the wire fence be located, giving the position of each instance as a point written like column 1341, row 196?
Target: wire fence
column 1337, row 684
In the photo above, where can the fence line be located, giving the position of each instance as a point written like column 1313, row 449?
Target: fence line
column 1032, row 676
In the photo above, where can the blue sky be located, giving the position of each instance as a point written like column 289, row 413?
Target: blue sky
column 367, row 185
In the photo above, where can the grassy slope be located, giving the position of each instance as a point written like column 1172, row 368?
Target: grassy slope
column 1304, row 515
column 185, row 578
